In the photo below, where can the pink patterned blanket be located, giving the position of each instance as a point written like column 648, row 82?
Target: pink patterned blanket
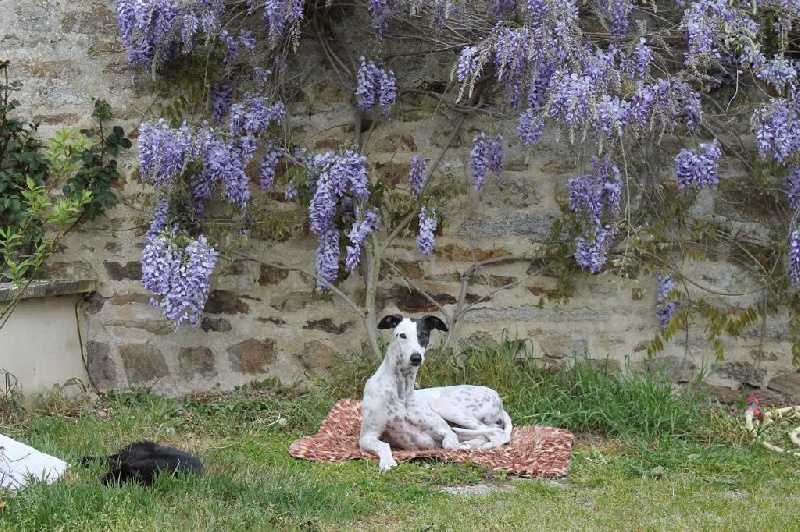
column 533, row 451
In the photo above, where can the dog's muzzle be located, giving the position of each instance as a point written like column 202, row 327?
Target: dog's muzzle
column 416, row 359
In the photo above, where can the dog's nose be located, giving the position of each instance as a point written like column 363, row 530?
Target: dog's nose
column 416, row 359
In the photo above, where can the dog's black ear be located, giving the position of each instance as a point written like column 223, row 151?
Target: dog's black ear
column 432, row 322
column 390, row 321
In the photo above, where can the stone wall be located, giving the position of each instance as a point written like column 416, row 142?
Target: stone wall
column 267, row 322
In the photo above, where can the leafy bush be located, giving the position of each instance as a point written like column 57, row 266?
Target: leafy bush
column 33, row 218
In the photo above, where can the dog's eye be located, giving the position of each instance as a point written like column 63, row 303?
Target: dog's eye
column 403, row 336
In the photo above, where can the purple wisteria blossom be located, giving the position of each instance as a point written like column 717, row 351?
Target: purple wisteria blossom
column 387, row 91
column 468, row 63
column 327, row 259
column 416, row 174
column 777, row 130
column 207, row 147
column 663, row 103
column 291, row 192
column 501, row 7
column 525, row 58
column 511, row 51
column 380, row 11
column 664, row 308
column 282, row 17
column 159, row 221
column 223, row 163
column 596, row 196
column 366, row 84
column 427, row 225
column 570, row 100
column 638, row 63
column 779, row 72
column 364, row 225
column 530, row 127
column 270, row 159
column 698, row 168
column 719, row 31
column 618, row 13
column 592, row 253
column 177, row 269
column 339, row 185
column 221, row 100
column 163, row 151
column 156, row 31
column 794, row 258
column 487, row 154
column 793, row 187
column 611, row 116
column 375, row 84
column 252, row 116
column 334, row 176
column 594, row 193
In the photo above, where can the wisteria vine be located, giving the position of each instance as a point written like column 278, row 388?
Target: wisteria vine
column 550, row 73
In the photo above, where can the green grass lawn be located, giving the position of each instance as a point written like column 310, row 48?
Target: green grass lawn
column 645, row 458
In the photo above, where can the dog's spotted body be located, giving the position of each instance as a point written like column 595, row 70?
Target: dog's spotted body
column 475, row 413
column 394, row 414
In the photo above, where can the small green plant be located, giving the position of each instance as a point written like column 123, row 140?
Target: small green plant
column 93, row 167
column 33, row 217
column 11, row 406
column 22, row 258
column 24, row 168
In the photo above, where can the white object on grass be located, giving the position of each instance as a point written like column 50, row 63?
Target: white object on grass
column 21, row 464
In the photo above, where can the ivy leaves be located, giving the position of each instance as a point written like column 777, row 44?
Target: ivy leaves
column 96, row 171
column 32, row 218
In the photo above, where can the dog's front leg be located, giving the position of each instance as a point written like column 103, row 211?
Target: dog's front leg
column 373, row 423
column 371, row 444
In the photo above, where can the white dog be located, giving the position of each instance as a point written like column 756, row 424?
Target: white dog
column 394, row 414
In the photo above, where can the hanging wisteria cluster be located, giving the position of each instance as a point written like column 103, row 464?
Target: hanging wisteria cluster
column 794, row 257
column 427, row 225
column 156, row 31
column 177, row 269
column 417, row 174
column 340, row 188
column 375, row 85
column 698, row 168
column 597, row 197
column 665, row 308
column 487, row 154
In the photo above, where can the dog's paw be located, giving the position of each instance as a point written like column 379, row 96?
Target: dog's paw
column 386, row 463
column 451, row 442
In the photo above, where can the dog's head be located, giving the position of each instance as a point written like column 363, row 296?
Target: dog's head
column 411, row 335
